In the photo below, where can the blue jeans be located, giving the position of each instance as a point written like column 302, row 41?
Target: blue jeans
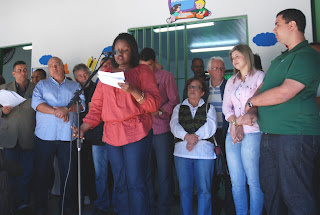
column 286, row 169
column 45, row 152
column 243, row 164
column 100, row 160
column 163, row 152
column 200, row 170
column 129, row 168
column 19, row 186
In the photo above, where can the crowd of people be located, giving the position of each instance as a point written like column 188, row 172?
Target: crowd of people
column 267, row 125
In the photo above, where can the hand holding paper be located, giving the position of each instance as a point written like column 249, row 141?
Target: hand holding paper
column 10, row 98
column 111, row 79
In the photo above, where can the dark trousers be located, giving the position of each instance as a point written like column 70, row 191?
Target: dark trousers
column 20, row 186
column 161, row 156
column 217, row 202
column 129, row 168
column 286, row 172
column 45, row 152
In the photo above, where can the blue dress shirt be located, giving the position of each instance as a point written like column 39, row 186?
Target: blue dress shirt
column 48, row 126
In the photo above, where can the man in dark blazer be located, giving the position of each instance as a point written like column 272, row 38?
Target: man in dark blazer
column 17, row 136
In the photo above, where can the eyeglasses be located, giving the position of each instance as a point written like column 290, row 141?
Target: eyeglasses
column 194, row 87
column 218, row 68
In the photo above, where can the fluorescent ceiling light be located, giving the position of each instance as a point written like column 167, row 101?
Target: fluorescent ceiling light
column 200, row 25
column 213, row 49
column 174, row 28
column 181, row 27
column 27, row 47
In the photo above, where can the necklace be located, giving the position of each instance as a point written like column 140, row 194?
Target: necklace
column 124, row 69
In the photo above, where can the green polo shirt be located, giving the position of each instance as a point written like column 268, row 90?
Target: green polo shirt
column 298, row 115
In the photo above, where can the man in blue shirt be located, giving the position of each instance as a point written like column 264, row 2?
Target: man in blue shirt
column 53, row 133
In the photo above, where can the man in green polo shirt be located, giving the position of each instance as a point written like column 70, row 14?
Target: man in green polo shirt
column 289, row 120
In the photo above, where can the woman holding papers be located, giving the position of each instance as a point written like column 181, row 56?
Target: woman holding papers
column 126, row 109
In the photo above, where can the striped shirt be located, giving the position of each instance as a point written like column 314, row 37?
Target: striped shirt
column 215, row 100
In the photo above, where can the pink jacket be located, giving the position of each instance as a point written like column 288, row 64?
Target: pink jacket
column 232, row 105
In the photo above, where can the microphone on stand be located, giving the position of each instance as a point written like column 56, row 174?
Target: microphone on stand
column 115, row 52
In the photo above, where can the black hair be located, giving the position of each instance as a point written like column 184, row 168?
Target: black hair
column 204, row 87
column 174, row 8
column 20, row 62
column 197, row 58
column 147, row 54
column 294, row 15
column 42, row 72
column 257, row 62
column 134, row 61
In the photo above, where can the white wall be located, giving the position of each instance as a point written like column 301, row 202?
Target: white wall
column 75, row 30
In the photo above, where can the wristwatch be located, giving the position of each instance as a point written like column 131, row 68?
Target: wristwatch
column 250, row 103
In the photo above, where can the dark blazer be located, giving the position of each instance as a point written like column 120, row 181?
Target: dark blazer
column 19, row 124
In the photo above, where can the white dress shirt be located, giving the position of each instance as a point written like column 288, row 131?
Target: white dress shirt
column 203, row 149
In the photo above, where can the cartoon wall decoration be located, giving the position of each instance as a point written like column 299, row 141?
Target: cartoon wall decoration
column 183, row 9
column 265, row 39
column 44, row 59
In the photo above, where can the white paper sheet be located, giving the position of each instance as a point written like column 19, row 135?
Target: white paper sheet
column 10, row 98
column 111, row 79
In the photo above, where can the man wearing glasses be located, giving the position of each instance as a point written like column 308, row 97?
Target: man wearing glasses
column 217, row 84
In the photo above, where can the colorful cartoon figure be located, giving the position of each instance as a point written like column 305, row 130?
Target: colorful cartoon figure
column 174, row 11
column 201, row 10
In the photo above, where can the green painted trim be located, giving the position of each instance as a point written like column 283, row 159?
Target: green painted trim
column 185, row 38
column 315, row 8
column 192, row 22
column 160, row 49
column 21, row 45
column 152, row 37
column 247, row 26
column 176, row 56
column 144, row 38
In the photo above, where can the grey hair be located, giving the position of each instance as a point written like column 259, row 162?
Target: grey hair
column 213, row 58
column 80, row 66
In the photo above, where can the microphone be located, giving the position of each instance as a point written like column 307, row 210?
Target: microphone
column 115, row 52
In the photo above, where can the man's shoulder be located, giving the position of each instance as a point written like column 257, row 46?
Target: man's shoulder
column 7, row 86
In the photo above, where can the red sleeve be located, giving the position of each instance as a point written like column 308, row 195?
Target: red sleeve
column 150, row 89
column 94, row 118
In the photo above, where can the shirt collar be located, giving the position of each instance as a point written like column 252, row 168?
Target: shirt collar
column 297, row 47
column 54, row 81
column 25, row 86
column 186, row 102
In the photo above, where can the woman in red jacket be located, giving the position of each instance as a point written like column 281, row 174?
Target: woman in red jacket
column 127, row 124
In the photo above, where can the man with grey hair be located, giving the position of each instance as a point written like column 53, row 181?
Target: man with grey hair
column 93, row 149
column 217, row 83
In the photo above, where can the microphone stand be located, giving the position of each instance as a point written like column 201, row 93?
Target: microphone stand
column 76, row 99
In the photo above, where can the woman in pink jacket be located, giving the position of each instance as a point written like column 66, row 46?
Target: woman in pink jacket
column 243, row 138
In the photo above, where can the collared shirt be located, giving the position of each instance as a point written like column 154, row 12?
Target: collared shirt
column 169, row 99
column 216, row 100
column 203, row 149
column 236, row 95
column 299, row 115
column 20, row 91
column 48, row 126
column 126, row 121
